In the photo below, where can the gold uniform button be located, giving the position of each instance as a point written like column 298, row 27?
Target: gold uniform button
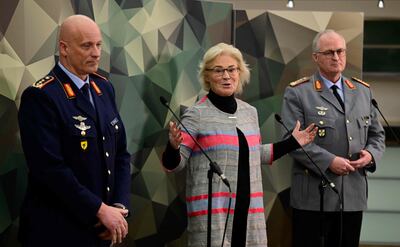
column 116, row 127
column 104, row 138
column 321, row 122
column 107, row 154
column 347, row 121
column 108, row 189
column 109, row 172
column 350, row 138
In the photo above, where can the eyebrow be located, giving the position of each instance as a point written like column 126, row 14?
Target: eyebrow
column 219, row 66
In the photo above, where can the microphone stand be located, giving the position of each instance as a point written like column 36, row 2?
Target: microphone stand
column 325, row 182
column 214, row 168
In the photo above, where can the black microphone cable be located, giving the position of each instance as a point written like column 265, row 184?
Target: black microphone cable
column 325, row 180
column 374, row 103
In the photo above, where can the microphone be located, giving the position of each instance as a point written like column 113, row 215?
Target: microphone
column 324, row 178
column 373, row 101
column 213, row 165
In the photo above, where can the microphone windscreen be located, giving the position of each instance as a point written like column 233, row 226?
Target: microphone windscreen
column 374, row 103
column 163, row 100
column 278, row 118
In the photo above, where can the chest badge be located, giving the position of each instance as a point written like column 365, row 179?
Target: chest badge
column 321, row 110
column 84, row 145
column 321, row 132
column 79, row 118
column 81, row 126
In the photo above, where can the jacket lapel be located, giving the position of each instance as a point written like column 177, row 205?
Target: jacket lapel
column 349, row 95
column 327, row 94
column 100, row 106
column 81, row 102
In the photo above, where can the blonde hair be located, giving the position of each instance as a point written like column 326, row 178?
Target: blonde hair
column 214, row 52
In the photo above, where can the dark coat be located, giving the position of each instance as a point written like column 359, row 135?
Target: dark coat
column 77, row 159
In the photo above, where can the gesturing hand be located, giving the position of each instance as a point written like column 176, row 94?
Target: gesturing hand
column 174, row 135
column 305, row 136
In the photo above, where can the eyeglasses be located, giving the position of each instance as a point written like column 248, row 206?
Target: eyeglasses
column 219, row 71
column 331, row 53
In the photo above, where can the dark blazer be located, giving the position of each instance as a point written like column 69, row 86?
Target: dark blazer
column 341, row 133
column 77, row 159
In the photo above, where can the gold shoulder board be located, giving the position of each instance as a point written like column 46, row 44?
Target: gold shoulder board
column 299, row 81
column 43, row 82
column 360, row 81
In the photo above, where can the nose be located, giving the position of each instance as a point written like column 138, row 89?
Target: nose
column 225, row 74
column 96, row 51
column 335, row 55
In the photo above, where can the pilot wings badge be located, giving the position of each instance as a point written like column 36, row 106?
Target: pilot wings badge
column 82, row 127
column 79, row 118
column 321, row 110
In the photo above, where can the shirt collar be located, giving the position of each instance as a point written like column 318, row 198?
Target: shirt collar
column 77, row 81
column 329, row 84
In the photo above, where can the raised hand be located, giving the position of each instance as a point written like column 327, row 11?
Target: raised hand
column 305, row 136
column 174, row 135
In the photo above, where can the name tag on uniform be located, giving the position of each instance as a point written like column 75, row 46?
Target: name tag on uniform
column 114, row 123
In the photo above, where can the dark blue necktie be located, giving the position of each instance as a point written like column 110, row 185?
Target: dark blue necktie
column 86, row 93
column 335, row 92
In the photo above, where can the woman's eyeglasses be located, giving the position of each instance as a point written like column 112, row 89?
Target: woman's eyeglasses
column 219, row 71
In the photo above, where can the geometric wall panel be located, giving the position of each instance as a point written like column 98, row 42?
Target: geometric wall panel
column 152, row 48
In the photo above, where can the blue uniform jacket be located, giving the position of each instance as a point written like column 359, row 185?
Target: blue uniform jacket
column 77, row 159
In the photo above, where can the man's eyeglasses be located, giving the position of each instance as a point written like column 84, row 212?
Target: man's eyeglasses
column 331, row 53
column 219, row 71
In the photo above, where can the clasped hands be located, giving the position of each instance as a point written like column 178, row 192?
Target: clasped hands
column 113, row 219
column 342, row 166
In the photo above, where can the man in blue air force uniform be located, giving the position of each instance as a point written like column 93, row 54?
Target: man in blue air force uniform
column 75, row 147
column 349, row 143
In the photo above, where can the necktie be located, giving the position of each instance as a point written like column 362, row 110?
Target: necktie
column 335, row 92
column 86, row 93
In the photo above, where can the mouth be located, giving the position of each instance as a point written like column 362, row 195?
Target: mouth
column 92, row 62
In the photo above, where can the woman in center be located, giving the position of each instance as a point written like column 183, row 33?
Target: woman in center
column 227, row 128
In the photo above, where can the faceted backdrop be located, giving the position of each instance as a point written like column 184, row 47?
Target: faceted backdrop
column 152, row 48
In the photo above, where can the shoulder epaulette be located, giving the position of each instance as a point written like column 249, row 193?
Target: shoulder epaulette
column 360, row 81
column 100, row 76
column 43, row 82
column 299, row 81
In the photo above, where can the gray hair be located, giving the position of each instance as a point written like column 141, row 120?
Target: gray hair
column 315, row 43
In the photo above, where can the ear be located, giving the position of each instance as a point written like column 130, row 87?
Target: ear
column 63, row 48
column 315, row 57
